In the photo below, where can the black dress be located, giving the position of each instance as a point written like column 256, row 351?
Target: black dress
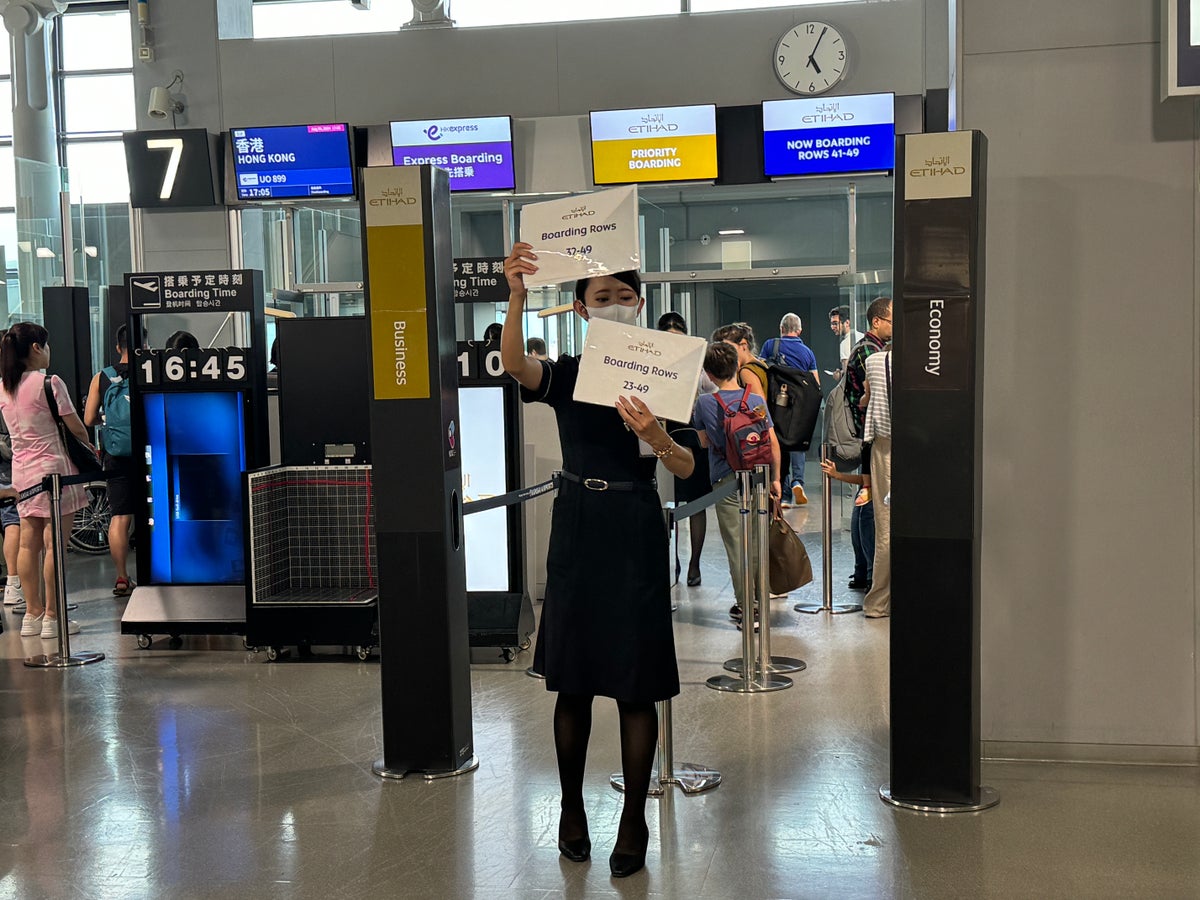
column 606, row 623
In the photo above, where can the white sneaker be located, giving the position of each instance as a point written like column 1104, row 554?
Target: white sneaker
column 50, row 628
column 31, row 626
column 13, row 595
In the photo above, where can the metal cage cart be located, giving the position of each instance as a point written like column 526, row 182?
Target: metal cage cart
column 311, row 549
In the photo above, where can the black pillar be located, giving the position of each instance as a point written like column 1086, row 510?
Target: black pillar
column 937, row 421
column 415, row 436
column 68, row 317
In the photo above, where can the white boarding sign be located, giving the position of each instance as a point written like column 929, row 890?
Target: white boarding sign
column 583, row 236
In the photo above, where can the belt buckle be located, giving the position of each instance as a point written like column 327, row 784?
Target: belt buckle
column 595, row 484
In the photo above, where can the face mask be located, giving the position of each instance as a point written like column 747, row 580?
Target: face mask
column 614, row 312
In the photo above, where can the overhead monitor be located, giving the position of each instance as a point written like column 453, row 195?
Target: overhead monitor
column 1180, row 48
column 668, row 143
column 829, row 135
column 292, row 161
column 478, row 153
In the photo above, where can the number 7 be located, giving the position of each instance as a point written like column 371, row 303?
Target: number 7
column 175, row 145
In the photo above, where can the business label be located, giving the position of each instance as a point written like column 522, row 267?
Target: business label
column 829, row 135
column 583, row 236
column 478, row 153
column 660, row 368
column 292, row 161
column 936, row 344
column 937, row 166
column 675, row 143
column 396, row 282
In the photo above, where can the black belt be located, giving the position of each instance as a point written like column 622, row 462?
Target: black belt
column 599, row 484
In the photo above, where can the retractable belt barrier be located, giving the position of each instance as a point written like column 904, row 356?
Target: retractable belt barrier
column 64, row 659
column 512, row 498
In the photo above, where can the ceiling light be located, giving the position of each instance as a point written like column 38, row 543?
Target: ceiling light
column 732, row 231
column 45, row 253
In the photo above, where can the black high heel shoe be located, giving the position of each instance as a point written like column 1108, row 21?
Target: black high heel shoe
column 579, row 850
column 693, row 580
column 622, row 864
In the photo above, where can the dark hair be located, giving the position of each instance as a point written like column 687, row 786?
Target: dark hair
column 671, row 321
column 183, row 340
column 535, row 345
column 735, row 334
column 14, row 351
column 880, row 308
column 840, row 312
column 720, row 361
column 631, row 278
column 492, row 332
column 122, row 338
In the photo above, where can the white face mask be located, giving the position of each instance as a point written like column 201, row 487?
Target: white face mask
column 614, row 312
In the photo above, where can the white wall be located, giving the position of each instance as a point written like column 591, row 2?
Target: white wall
column 1090, row 540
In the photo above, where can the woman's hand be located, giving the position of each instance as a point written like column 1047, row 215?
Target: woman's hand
column 517, row 265
column 642, row 422
column 776, row 491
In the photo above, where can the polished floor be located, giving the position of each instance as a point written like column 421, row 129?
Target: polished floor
column 208, row 772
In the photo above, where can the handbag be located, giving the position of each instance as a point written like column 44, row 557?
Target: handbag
column 84, row 459
column 788, row 567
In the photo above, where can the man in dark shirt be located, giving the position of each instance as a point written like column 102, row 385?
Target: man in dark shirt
column 789, row 350
column 862, row 520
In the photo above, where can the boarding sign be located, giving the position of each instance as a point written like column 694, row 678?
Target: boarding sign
column 660, row 368
column 829, row 135
column 223, row 290
column 673, row 143
column 583, row 236
column 478, row 153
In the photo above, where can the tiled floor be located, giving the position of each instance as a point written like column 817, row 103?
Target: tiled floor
column 209, row 772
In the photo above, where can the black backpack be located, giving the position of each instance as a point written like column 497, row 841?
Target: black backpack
column 794, row 398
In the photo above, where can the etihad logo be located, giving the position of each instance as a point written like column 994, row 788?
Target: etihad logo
column 938, row 166
column 827, row 113
column 645, row 347
column 579, row 212
column 654, row 123
column 393, row 196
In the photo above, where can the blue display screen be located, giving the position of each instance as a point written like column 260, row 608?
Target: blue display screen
column 829, row 135
column 292, row 161
column 196, row 454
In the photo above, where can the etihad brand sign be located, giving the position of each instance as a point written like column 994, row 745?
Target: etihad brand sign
column 829, row 135
column 478, row 153
column 677, row 143
column 393, row 202
column 937, row 166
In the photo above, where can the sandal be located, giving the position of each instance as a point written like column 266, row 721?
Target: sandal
column 123, row 587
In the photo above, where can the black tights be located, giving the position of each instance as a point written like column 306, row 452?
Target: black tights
column 639, row 738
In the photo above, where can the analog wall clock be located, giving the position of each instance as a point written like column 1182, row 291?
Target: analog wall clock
column 811, row 58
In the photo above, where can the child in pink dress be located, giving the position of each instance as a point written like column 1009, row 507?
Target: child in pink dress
column 37, row 452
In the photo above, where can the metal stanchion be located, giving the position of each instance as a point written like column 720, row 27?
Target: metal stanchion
column 827, row 604
column 766, row 662
column 689, row 777
column 751, row 680
column 63, row 659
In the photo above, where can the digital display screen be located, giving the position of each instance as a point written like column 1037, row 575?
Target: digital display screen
column 486, row 537
column 829, row 135
column 673, row 143
column 195, row 454
column 292, row 161
column 478, row 153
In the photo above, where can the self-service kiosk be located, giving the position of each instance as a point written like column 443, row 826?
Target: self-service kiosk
column 199, row 422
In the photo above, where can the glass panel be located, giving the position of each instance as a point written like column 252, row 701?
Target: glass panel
column 97, row 40
column 10, row 291
column 102, row 256
column 98, row 173
column 328, row 245
column 39, row 233
column 262, row 248
column 290, row 19
column 8, row 186
column 94, row 103
column 471, row 13
column 6, row 108
column 715, row 5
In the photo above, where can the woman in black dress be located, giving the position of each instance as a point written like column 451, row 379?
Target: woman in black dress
column 606, row 622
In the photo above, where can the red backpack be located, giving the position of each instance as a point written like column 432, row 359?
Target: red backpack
column 747, row 434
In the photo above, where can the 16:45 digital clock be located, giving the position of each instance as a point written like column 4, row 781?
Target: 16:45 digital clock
column 156, row 369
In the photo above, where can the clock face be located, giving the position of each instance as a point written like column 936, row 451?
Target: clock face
column 811, row 58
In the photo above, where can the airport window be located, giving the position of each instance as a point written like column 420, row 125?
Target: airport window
column 726, row 5
column 472, row 13
column 98, row 104
column 297, row 18
column 96, row 170
column 94, row 41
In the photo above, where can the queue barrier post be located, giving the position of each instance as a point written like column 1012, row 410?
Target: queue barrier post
column 63, row 659
column 827, row 604
column 688, row 777
column 750, row 680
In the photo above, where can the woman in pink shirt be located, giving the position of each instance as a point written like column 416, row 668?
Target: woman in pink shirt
column 37, row 452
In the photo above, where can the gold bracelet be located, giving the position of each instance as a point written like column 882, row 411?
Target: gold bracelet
column 665, row 451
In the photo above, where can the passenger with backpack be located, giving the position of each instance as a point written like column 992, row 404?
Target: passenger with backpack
column 108, row 405
column 736, row 427
column 794, row 396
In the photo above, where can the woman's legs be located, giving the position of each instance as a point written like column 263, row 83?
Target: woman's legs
column 639, row 738
column 572, row 729
column 697, row 527
column 28, row 560
column 68, row 523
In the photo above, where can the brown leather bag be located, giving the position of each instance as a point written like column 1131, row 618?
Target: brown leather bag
column 790, row 567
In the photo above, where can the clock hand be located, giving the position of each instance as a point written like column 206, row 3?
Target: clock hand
column 811, row 57
column 812, row 62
